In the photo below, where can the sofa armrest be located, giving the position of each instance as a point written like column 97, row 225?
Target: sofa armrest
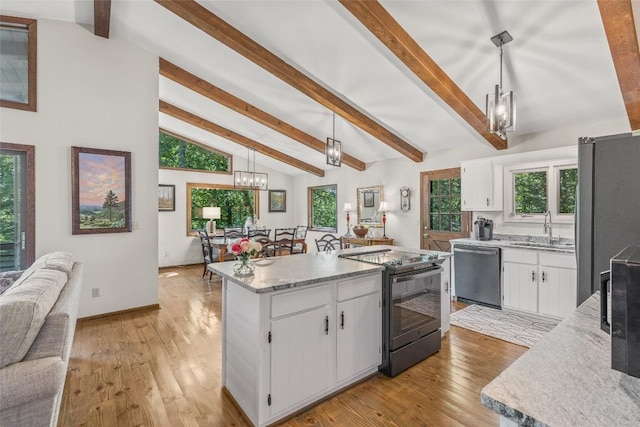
column 29, row 381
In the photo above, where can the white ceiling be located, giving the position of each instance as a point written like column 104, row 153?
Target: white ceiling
column 558, row 64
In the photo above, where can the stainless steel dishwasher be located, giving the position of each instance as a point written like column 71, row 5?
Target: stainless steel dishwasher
column 477, row 274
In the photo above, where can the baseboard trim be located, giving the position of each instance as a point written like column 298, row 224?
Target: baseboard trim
column 121, row 312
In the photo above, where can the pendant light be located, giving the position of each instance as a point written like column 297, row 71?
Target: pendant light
column 501, row 106
column 333, row 150
column 250, row 179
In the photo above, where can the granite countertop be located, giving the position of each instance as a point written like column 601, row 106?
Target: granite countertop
column 537, row 243
column 566, row 379
column 291, row 271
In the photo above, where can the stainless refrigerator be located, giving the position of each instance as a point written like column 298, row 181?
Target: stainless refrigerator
column 608, row 204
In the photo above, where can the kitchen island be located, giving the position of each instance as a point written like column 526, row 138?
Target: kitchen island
column 299, row 329
column 566, row 379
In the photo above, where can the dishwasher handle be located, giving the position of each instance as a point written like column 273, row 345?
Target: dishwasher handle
column 476, row 250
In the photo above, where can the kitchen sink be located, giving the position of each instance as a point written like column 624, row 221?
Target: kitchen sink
column 544, row 245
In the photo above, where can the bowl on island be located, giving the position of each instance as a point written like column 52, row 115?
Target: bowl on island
column 360, row 230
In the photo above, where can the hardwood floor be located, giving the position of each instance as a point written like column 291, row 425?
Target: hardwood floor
column 162, row 368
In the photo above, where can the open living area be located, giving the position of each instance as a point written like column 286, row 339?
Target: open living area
column 368, row 213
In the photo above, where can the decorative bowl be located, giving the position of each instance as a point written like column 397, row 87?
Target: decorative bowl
column 360, row 231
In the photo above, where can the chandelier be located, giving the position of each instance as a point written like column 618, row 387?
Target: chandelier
column 250, row 179
column 501, row 106
column 333, row 150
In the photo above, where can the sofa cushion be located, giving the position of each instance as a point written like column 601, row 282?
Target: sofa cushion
column 23, row 310
column 8, row 278
column 60, row 261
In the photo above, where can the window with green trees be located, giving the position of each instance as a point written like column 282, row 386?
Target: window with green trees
column 177, row 152
column 323, row 208
column 235, row 205
column 536, row 188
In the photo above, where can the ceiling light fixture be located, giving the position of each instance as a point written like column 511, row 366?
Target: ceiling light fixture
column 250, row 179
column 333, row 150
column 501, row 107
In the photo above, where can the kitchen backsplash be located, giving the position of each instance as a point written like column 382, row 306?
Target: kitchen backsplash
column 562, row 230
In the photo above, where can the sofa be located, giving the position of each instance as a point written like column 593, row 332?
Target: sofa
column 38, row 312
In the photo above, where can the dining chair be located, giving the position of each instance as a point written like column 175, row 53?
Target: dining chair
column 207, row 252
column 269, row 247
column 328, row 242
column 284, row 238
column 232, row 233
column 300, row 234
column 259, row 232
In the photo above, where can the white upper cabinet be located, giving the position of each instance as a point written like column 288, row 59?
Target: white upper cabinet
column 481, row 186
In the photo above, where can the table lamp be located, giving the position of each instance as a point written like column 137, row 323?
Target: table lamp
column 347, row 209
column 211, row 213
column 384, row 206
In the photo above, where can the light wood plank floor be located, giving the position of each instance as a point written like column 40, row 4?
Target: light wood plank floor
column 162, row 368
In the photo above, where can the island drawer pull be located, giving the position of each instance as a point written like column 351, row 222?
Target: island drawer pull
column 326, row 325
column 342, row 319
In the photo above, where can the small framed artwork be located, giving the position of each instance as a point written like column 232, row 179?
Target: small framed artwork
column 166, row 197
column 368, row 199
column 277, row 200
column 101, row 191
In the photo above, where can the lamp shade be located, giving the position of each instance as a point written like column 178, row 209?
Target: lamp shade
column 347, row 207
column 211, row 212
column 384, row 207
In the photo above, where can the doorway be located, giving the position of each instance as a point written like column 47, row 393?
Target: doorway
column 17, row 206
column 441, row 216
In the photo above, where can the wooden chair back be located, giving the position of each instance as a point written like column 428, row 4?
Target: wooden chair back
column 284, row 238
column 255, row 233
column 328, row 242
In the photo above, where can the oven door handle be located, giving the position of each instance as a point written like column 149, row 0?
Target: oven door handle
column 408, row 277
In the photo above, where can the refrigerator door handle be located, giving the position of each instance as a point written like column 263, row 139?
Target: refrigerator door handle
column 605, row 278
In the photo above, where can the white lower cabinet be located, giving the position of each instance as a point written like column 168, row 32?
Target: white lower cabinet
column 285, row 350
column 445, row 308
column 541, row 283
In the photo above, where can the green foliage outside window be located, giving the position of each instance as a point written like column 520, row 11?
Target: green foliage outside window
column 444, row 205
column 568, row 186
column 235, row 206
column 7, row 214
column 530, row 192
column 177, row 153
column 324, row 207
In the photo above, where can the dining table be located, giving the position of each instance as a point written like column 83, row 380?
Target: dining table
column 222, row 243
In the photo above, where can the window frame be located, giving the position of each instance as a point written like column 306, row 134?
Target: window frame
column 203, row 146
column 310, row 191
column 31, row 26
column 552, row 169
column 192, row 185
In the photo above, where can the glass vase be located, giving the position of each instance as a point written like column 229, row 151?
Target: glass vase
column 243, row 267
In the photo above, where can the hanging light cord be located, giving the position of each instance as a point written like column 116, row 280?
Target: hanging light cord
column 334, row 125
column 501, row 66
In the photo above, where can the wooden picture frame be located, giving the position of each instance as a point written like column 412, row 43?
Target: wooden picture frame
column 166, row 197
column 100, row 191
column 277, row 200
column 368, row 199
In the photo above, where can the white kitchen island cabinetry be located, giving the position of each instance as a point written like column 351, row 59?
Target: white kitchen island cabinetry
column 445, row 309
column 285, row 349
column 539, row 282
column 481, row 186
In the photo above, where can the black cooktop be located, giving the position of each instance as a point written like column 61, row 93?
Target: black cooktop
column 398, row 260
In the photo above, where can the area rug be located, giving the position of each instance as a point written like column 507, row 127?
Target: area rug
column 511, row 326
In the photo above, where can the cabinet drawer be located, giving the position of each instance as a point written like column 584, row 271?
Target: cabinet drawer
column 555, row 260
column 300, row 300
column 520, row 256
column 359, row 286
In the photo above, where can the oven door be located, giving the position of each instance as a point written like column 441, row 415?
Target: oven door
column 415, row 306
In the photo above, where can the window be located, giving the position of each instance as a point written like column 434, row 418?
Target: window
column 235, row 205
column 533, row 189
column 177, row 152
column 18, row 37
column 323, row 208
column 444, row 205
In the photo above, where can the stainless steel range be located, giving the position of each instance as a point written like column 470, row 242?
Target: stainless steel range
column 410, row 306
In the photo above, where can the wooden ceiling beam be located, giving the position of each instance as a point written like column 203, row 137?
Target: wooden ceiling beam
column 620, row 28
column 204, row 88
column 194, row 120
column 102, row 17
column 217, row 28
column 382, row 25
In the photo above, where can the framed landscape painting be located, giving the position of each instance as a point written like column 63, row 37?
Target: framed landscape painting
column 101, row 191
column 166, row 197
column 277, row 200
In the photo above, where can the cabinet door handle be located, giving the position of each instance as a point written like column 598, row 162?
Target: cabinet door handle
column 326, row 325
column 487, row 202
column 533, row 275
column 342, row 320
column 544, row 276
column 446, row 286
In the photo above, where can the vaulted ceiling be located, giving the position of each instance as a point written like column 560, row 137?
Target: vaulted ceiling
column 403, row 77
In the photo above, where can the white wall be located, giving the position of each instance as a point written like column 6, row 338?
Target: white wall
column 405, row 227
column 99, row 93
column 176, row 248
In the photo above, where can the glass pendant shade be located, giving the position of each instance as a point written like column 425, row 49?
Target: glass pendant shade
column 333, row 150
column 501, row 115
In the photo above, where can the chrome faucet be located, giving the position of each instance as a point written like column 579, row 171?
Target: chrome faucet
column 548, row 226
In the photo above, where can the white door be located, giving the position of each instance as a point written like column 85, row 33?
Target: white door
column 557, row 291
column 520, row 286
column 300, row 357
column 359, row 335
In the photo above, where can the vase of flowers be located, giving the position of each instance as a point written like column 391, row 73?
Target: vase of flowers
column 243, row 250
